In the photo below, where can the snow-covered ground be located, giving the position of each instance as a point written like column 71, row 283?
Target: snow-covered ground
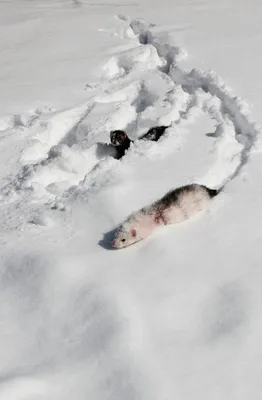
column 178, row 315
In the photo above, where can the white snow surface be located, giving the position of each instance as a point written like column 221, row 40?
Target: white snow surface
column 178, row 315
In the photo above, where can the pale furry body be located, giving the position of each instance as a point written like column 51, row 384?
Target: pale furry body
column 176, row 206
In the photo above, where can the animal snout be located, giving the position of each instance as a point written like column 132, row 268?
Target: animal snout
column 114, row 244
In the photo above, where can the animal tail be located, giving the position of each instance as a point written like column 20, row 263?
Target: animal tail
column 213, row 192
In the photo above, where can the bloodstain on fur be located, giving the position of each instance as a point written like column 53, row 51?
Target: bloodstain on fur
column 174, row 207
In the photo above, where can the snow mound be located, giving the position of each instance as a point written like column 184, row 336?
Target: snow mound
column 143, row 86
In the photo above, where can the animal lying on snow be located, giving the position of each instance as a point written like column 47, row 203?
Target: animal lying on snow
column 176, row 206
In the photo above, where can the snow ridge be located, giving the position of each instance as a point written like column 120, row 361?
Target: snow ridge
column 144, row 85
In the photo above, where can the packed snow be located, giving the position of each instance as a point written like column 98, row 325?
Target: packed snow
column 176, row 315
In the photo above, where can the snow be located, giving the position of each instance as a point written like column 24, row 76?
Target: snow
column 178, row 314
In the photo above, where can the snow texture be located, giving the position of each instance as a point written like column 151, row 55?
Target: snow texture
column 177, row 315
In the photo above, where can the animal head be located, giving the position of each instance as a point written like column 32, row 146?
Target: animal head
column 125, row 236
column 118, row 137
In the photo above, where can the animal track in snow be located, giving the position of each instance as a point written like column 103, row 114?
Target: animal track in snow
column 143, row 86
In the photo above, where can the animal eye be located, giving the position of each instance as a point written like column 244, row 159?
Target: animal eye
column 123, row 240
